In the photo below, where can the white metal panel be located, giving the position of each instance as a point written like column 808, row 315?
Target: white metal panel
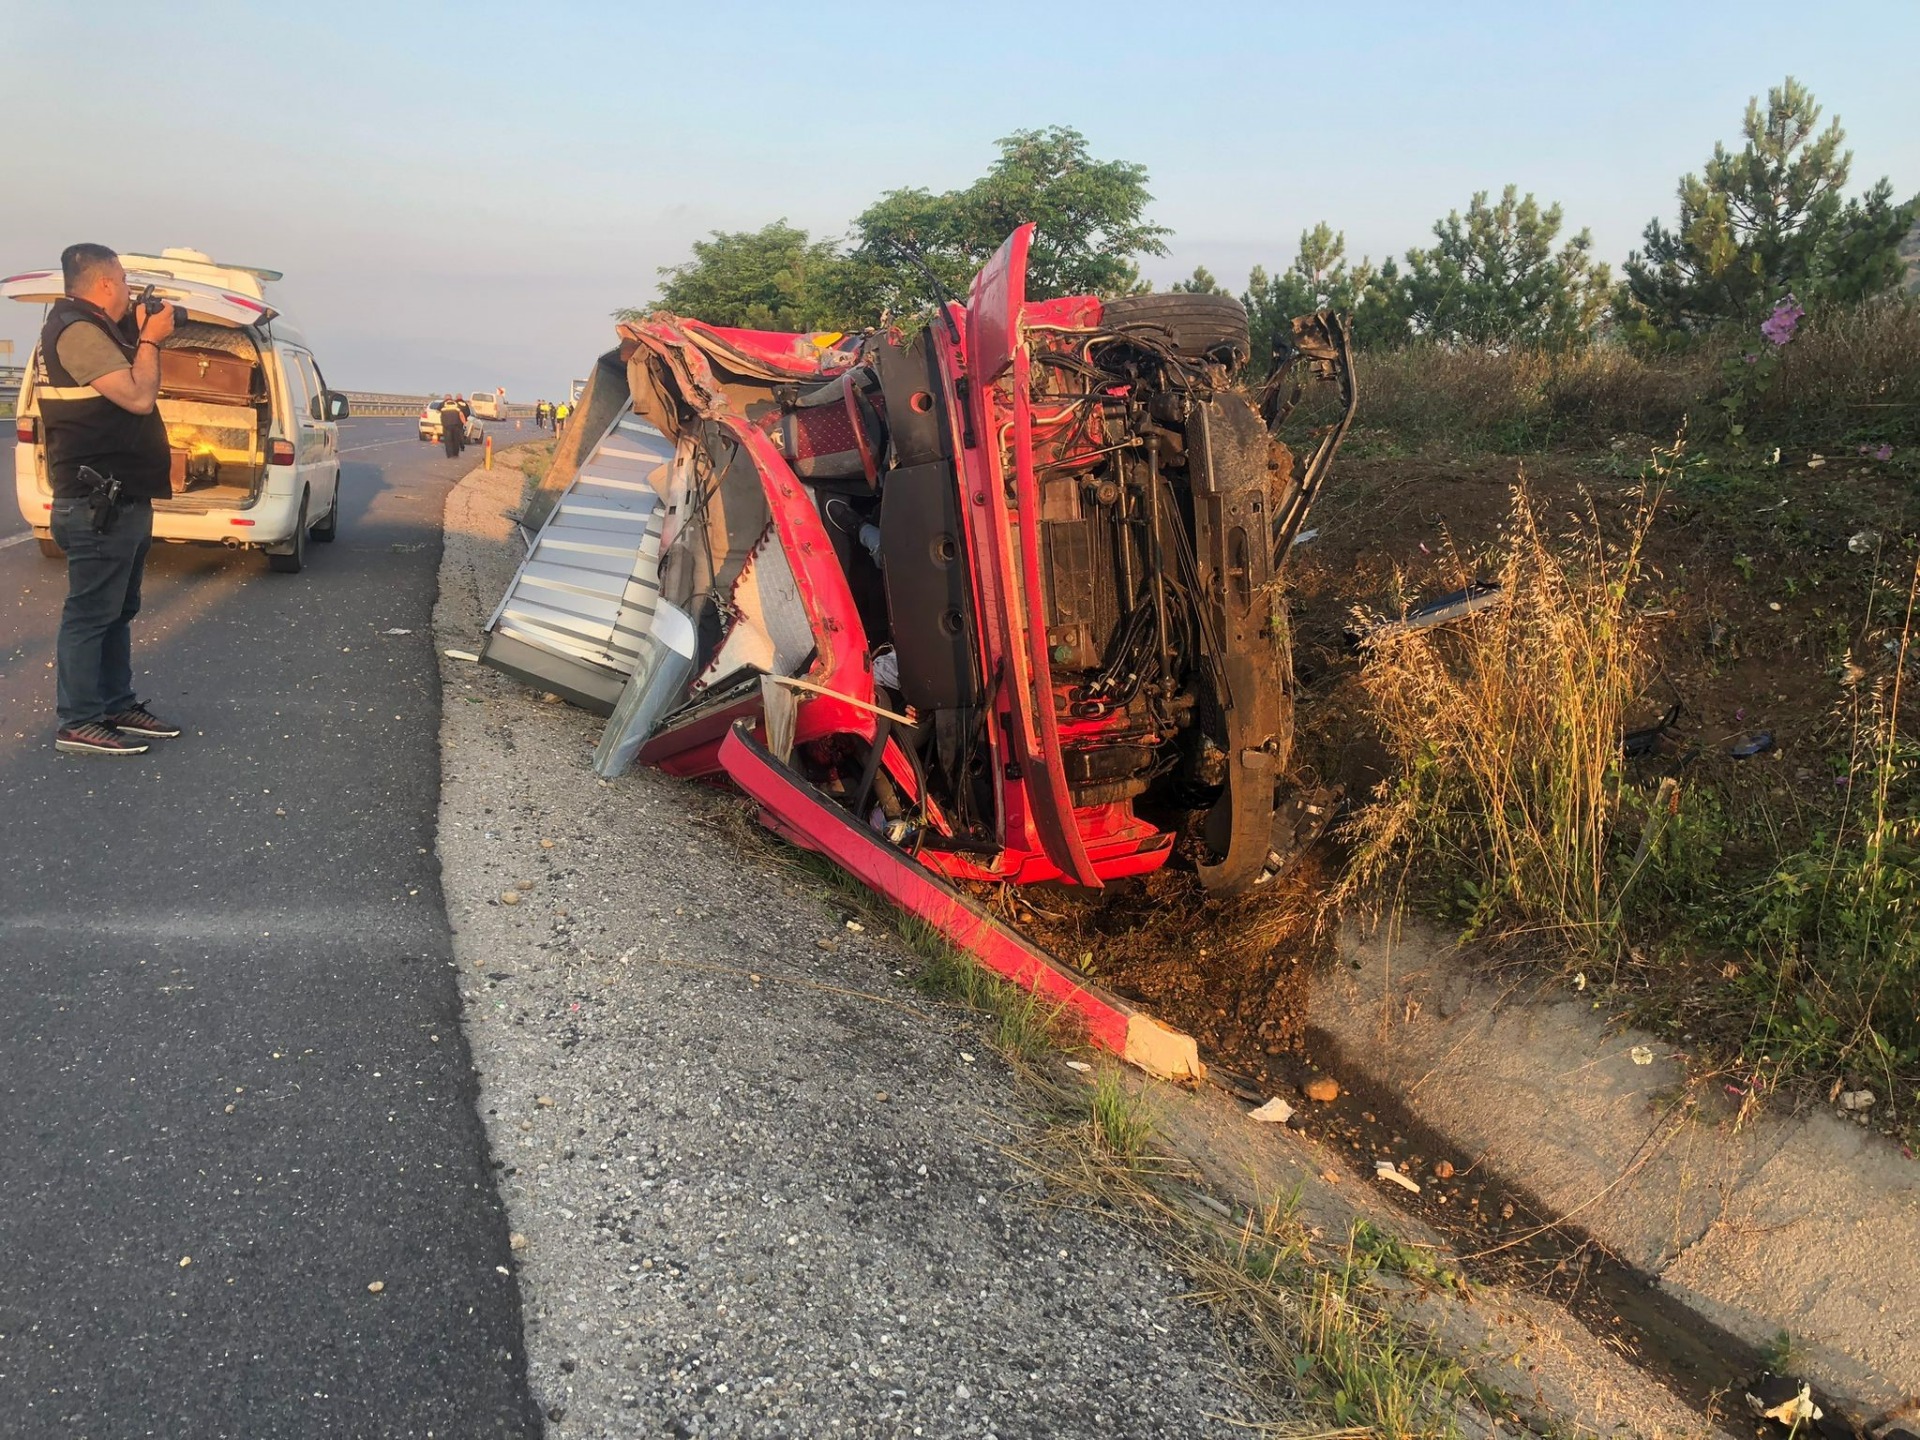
column 588, row 588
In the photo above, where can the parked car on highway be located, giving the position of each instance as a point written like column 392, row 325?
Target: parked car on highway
column 250, row 420
column 430, row 424
column 489, row 404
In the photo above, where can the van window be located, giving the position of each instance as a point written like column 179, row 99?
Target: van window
column 299, row 386
column 316, row 392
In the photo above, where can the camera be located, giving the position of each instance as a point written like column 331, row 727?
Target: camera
column 147, row 303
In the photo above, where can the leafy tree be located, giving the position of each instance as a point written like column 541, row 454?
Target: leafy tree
column 1092, row 229
column 1763, row 221
column 1201, row 282
column 1493, row 277
column 774, row 278
column 1090, row 213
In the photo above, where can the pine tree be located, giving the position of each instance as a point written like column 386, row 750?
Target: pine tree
column 1764, row 221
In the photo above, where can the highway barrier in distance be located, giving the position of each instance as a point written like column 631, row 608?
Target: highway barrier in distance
column 376, row 403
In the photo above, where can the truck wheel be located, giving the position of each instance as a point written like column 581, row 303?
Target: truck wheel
column 1198, row 326
column 329, row 529
column 295, row 560
column 51, row 549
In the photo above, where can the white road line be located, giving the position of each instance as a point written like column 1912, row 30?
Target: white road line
column 13, row 540
column 353, row 449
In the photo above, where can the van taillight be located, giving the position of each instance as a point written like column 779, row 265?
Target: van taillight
column 26, row 430
column 280, row 452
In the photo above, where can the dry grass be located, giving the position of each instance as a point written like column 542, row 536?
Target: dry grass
column 1518, row 400
column 1506, row 731
column 1850, row 376
column 1317, row 1341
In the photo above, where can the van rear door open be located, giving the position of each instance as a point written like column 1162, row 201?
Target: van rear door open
column 201, row 302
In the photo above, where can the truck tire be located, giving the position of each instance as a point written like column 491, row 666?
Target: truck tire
column 295, row 560
column 1198, row 327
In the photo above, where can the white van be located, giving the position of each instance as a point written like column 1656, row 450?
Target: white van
column 252, row 425
column 489, row 404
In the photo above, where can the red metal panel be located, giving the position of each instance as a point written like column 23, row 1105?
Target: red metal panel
column 804, row 814
column 993, row 313
column 1047, row 778
column 981, row 501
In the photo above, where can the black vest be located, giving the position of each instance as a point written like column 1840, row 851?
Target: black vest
column 83, row 427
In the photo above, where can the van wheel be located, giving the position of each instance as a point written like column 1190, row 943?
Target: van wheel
column 50, row 548
column 328, row 529
column 295, row 560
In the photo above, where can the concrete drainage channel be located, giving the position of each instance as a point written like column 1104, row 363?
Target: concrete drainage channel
column 594, row 984
column 1776, row 1227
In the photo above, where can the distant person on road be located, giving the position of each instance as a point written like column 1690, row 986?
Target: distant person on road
column 540, row 414
column 97, row 381
column 453, row 427
column 561, row 414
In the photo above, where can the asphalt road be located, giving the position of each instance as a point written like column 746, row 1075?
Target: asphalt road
column 243, row 1190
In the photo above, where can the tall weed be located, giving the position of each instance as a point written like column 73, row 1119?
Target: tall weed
column 1507, row 726
column 1833, row 932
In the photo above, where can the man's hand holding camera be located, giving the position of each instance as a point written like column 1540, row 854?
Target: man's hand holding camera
column 155, row 318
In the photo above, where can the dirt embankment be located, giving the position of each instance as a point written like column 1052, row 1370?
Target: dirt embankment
column 1772, row 1223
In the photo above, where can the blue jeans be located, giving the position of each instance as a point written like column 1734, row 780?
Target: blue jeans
column 95, row 655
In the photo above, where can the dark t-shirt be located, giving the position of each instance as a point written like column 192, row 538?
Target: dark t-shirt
column 88, row 353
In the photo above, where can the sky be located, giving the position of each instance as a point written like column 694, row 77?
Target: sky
column 459, row 195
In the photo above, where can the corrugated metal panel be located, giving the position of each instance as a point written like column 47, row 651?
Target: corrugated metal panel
column 585, row 593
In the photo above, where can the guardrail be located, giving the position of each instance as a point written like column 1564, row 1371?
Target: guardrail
column 375, row 403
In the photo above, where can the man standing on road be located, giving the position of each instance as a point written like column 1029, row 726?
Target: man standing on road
column 560, row 414
column 453, row 427
column 98, row 384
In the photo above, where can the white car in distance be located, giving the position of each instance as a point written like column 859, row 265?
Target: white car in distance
column 430, row 423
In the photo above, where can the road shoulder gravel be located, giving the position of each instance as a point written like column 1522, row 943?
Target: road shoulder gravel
column 758, row 1185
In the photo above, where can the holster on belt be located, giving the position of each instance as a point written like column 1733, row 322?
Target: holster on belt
column 103, row 498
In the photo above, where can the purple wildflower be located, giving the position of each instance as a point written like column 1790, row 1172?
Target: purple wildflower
column 1778, row 328
column 1885, row 452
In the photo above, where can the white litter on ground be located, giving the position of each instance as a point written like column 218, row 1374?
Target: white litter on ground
column 1386, row 1170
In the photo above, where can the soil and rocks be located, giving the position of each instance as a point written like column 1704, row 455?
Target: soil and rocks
column 757, row 1185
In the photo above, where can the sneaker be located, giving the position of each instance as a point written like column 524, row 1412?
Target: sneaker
column 136, row 719
column 94, row 738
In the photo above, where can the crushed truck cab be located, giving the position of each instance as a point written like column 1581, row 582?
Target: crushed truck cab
column 1004, row 590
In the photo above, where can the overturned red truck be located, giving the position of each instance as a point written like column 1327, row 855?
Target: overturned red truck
column 992, row 601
